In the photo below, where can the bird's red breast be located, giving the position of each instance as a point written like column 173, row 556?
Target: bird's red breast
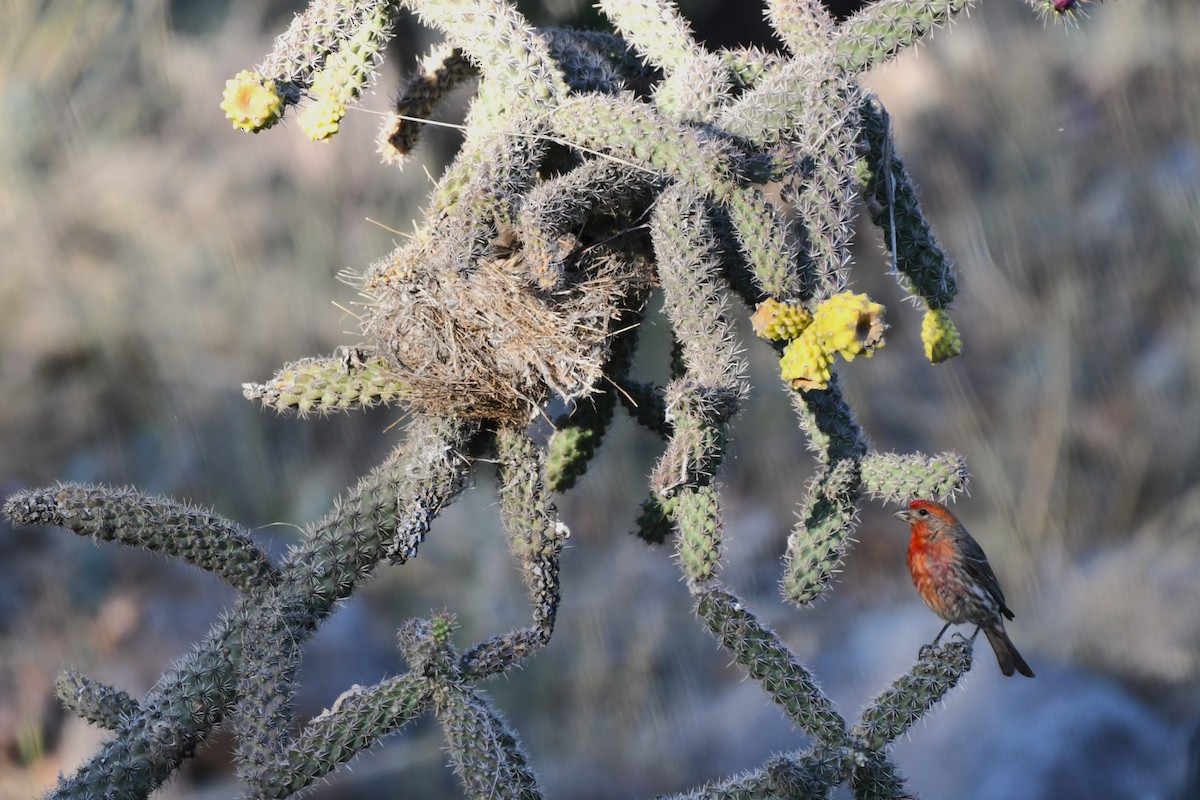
column 933, row 561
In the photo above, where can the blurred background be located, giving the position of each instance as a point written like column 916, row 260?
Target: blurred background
column 154, row 259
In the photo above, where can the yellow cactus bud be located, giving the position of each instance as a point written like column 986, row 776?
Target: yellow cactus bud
column 251, row 103
column 805, row 363
column 940, row 336
column 320, row 119
column 777, row 321
column 849, row 324
column 326, row 85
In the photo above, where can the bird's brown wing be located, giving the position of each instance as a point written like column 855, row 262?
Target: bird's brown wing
column 977, row 567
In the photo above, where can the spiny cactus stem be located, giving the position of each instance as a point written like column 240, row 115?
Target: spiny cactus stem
column 197, row 694
column 358, row 719
column 266, row 671
column 484, row 752
column 387, row 514
column 95, row 702
column 769, row 661
column 914, row 693
column 875, row 778
column 800, row 775
column 536, row 537
column 158, row 524
column 893, row 205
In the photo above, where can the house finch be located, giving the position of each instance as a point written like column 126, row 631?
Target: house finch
column 953, row 577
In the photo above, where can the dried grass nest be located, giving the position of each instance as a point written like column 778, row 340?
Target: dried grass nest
column 494, row 342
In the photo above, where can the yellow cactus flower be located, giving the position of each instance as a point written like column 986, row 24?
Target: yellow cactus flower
column 326, row 84
column 320, row 119
column 777, row 321
column 850, row 324
column 251, row 103
column 940, row 336
column 805, row 363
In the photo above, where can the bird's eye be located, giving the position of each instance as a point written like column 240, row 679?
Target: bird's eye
column 923, row 513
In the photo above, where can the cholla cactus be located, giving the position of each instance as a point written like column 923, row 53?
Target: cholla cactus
column 595, row 167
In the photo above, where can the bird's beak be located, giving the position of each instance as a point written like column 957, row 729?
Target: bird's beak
column 904, row 514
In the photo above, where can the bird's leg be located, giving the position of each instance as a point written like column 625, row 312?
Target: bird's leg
column 925, row 648
column 978, row 628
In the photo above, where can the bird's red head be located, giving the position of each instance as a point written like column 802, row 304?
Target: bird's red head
column 927, row 513
column 926, row 505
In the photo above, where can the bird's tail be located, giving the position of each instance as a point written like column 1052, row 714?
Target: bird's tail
column 1006, row 653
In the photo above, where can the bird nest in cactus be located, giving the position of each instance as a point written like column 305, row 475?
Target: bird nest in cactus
column 491, row 341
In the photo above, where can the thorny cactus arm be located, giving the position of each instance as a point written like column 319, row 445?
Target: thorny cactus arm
column 700, row 404
column 907, row 700
column 391, row 508
column 440, row 72
column 536, row 538
column 882, row 29
column 895, row 478
column 804, row 25
column 876, row 779
column 483, row 751
column 593, row 168
column 265, row 677
column 891, row 199
column 892, row 202
column 695, row 81
column 360, row 718
column 829, row 513
column 386, row 516
column 497, row 37
column 158, row 524
column 768, row 660
column 95, row 702
column 803, row 775
column 354, row 379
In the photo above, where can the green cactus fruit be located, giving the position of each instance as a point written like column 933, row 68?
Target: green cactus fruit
column 778, row 321
column 849, row 324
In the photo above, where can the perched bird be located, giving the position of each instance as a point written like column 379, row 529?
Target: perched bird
column 953, row 577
